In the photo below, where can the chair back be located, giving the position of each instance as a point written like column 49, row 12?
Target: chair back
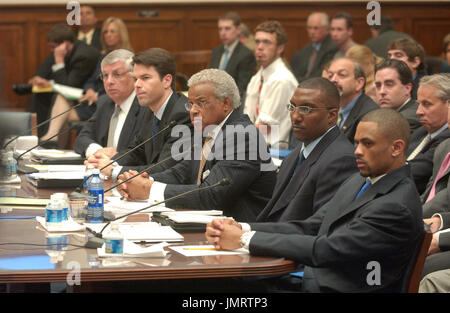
column 18, row 123
column 191, row 62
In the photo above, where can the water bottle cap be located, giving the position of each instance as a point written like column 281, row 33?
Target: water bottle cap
column 61, row 195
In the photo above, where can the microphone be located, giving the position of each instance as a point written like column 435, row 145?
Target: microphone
column 85, row 102
column 97, row 241
column 91, row 120
column 172, row 123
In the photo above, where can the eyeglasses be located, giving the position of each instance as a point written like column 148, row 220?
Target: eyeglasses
column 305, row 110
column 201, row 105
column 114, row 75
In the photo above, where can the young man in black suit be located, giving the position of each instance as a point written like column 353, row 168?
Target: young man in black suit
column 232, row 149
column 88, row 32
column 373, row 220
column 232, row 56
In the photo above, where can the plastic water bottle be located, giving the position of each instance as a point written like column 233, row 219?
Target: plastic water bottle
column 8, row 166
column 12, row 165
column 87, row 175
column 113, row 240
column 95, row 198
column 64, row 200
column 53, row 211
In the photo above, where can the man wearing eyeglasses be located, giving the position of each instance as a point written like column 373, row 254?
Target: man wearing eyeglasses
column 154, row 72
column 311, row 174
column 118, row 117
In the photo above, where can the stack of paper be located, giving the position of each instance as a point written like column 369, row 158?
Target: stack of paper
column 131, row 249
column 67, row 226
column 120, row 207
column 54, row 156
column 187, row 221
column 55, row 179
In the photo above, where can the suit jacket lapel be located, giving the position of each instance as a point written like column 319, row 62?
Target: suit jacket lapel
column 128, row 125
column 234, row 58
column 109, row 110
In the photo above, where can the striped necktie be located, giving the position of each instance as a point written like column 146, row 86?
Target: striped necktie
column 419, row 148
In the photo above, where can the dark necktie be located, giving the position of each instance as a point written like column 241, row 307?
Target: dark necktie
column 312, row 59
column 155, row 126
column 364, row 188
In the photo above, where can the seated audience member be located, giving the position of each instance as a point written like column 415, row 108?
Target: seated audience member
column 309, row 61
column 413, row 54
column 368, row 60
column 114, row 36
column 445, row 64
column 70, row 63
column 271, row 88
column 88, row 32
column 154, row 71
column 341, row 32
column 382, row 35
column 118, row 117
column 233, row 149
column 374, row 216
column 436, row 282
column 349, row 78
column 311, row 174
column 433, row 99
column 393, row 81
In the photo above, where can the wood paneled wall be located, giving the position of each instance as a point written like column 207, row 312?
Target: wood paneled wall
column 181, row 27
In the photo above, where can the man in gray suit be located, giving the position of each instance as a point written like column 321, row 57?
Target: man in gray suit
column 393, row 85
column 232, row 148
column 309, row 61
column 373, row 221
column 232, row 56
column 118, row 117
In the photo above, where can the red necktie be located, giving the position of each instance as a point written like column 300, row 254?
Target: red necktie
column 259, row 95
column 442, row 170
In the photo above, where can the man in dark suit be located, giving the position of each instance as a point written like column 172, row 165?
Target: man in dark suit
column 326, row 155
column 88, row 32
column 413, row 54
column 382, row 35
column 393, row 85
column 433, row 98
column 154, row 70
column 70, row 63
column 349, row 78
column 232, row 56
column 309, row 61
column 118, row 117
column 232, row 149
column 365, row 237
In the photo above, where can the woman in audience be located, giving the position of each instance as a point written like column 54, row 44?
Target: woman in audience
column 368, row 60
column 114, row 36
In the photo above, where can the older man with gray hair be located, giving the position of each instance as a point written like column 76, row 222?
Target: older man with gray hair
column 118, row 117
column 232, row 148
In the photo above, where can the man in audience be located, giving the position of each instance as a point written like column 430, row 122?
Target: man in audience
column 433, row 98
column 393, row 85
column 309, row 61
column 154, row 71
column 271, row 88
column 413, row 54
column 232, row 56
column 349, row 78
column 233, row 149
column 341, row 33
column 382, row 35
column 374, row 217
column 88, row 32
column 70, row 63
column 118, row 117
column 311, row 174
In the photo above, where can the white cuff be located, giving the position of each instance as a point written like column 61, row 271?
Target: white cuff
column 156, row 192
column 442, row 222
column 115, row 171
column 57, row 67
column 266, row 119
column 92, row 148
column 245, row 239
column 245, row 227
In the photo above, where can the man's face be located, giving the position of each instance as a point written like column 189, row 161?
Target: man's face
column 118, row 81
column 206, row 109
column 341, row 73
column 266, row 49
column 87, row 16
column 391, row 93
column 150, row 87
column 373, row 150
column 314, row 26
column 228, row 32
column 432, row 111
column 402, row 56
column 308, row 127
column 339, row 31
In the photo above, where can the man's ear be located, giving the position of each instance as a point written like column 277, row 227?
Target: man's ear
column 167, row 81
column 398, row 148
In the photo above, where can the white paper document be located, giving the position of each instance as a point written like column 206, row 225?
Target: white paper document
column 202, row 250
column 57, row 175
column 131, row 249
column 119, row 207
column 202, row 217
column 68, row 226
column 54, row 154
column 58, row 168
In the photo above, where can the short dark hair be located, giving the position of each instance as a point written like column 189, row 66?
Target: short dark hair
column 233, row 16
column 60, row 33
column 412, row 49
column 272, row 26
column 404, row 72
column 385, row 24
column 346, row 17
column 393, row 125
column 328, row 91
column 160, row 59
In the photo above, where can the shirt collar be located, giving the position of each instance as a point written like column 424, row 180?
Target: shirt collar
column 346, row 110
column 266, row 72
column 401, row 107
column 216, row 130
column 126, row 105
column 440, row 130
column 160, row 112
column 317, row 45
column 375, row 179
column 309, row 148
column 231, row 47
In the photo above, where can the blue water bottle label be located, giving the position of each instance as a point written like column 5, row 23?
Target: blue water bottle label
column 53, row 216
column 114, row 246
column 95, row 198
